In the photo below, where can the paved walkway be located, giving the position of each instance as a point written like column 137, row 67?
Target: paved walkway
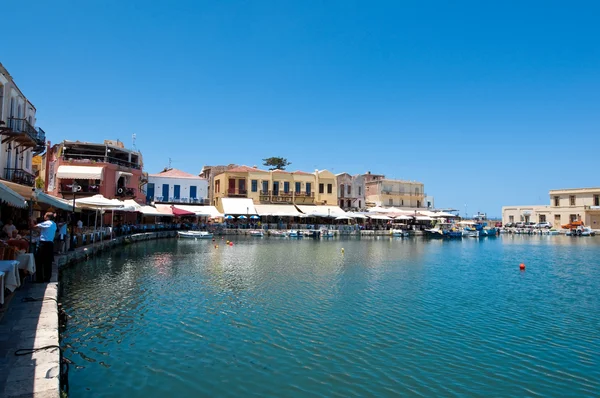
column 29, row 325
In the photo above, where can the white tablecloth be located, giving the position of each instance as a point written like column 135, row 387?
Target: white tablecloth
column 11, row 279
column 27, row 262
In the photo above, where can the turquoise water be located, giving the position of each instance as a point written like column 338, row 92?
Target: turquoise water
column 285, row 318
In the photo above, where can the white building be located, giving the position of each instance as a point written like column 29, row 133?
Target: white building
column 20, row 139
column 176, row 186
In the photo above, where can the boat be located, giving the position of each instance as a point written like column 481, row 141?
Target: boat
column 399, row 233
column 194, row 234
column 444, row 230
column 581, row 231
column 553, row 232
column 277, row 234
column 477, row 229
column 325, row 233
column 257, row 233
column 293, row 233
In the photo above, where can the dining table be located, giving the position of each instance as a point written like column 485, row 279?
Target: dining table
column 10, row 277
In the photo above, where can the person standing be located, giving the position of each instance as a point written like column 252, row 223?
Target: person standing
column 62, row 236
column 9, row 228
column 45, row 252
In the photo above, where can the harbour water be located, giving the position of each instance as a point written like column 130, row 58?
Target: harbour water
column 295, row 318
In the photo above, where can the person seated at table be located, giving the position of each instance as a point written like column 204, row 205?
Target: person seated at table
column 19, row 242
column 9, row 228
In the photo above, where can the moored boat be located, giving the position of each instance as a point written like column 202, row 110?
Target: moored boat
column 398, row 233
column 194, row 234
column 256, row 233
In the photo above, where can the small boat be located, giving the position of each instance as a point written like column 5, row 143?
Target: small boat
column 399, row 233
column 257, row 233
column 194, row 234
column 292, row 233
column 581, row 231
column 277, row 234
column 553, row 232
column 325, row 233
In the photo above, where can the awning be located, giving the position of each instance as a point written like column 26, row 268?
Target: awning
column 79, row 172
column 181, row 212
column 98, row 202
column 277, row 210
column 378, row 217
column 236, row 206
column 205, row 211
column 36, row 195
column 150, row 211
column 11, row 197
column 322, row 211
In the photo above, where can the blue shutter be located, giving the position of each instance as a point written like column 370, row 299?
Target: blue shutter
column 176, row 191
column 193, row 192
column 150, row 192
column 165, row 192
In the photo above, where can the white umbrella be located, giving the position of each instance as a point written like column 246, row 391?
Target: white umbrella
column 343, row 218
column 403, row 218
column 379, row 217
column 423, row 218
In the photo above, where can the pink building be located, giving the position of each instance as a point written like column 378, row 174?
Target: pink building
column 82, row 169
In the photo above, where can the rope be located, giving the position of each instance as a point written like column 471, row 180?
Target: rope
column 27, row 351
column 31, row 299
column 64, row 362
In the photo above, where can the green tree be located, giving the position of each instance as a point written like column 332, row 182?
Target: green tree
column 39, row 183
column 275, row 163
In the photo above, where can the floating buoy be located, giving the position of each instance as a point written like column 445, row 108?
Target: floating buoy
column 227, row 242
column 230, row 243
column 522, row 266
column 342, row 250
column 216, row 246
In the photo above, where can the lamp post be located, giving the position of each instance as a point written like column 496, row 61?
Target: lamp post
column 74, row 188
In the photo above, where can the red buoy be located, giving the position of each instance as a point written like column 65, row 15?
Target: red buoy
column 521, row 266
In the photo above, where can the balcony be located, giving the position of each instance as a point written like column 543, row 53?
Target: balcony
column 65, row 189
column 125, row 192
column 235, row 192
column 193, row 201
column 403, row 193
column 20, row 177
column 24, row 134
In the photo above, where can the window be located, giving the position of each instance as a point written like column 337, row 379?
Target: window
column 341, row 191
column 165, row 192
column 242, row 187
column 596, row 200
column 254, row 185
column 329, row 188
column 511, row 219
column 556, row 201
column 573, row 217
column 275, row 188
column 572, row 200
column 286, row 187
column 349, row 203
column 359, row 190
column 557, row 219
column 265, row 187
column 176, row 191
column 391, row 202
column 359, row 204
column 308, row 188
column 218, row 186
column 321, row 188
column 298, row 187
column 349, row 189
column 542, row 218
column 418, row 203
column 342, row 203
column 193, row 192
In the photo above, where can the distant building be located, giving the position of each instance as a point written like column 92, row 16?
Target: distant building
column 209, row 173
column 176, row 186
column 84, row 169
column 566, row 205
column 394, row 193
column 351, row 191
column 21, row 140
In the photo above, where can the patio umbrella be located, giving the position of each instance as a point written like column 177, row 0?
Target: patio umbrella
column 343, row 218
column 242, row 217
column 403, row 218
column 228, row 217
column 255, row 217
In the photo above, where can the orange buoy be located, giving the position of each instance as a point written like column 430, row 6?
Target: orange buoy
column 521, row 266
column 230, row 243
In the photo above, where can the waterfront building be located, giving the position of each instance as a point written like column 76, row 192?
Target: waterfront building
column 351, row 191
column 380, row 191
column 176, row 186
column 566, row 205
column 274, row 187
column 209, row 173
column 78, row 169
column 21, row 140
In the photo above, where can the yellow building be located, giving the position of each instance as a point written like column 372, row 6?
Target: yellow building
column 566, row 205
column 396, row 193
column 274, row 187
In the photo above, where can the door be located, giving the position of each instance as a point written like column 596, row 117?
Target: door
column 193, row 192
column 165, row 192
column 232, row 185
column 275, row 188
column 242, row 187
column 176, row 191
column 150, row 192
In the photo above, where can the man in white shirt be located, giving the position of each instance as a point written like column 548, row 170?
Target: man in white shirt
column 45, row 252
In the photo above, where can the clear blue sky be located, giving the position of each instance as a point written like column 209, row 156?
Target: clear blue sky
column 487, row 104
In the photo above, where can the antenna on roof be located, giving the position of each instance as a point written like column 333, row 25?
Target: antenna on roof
column 169, row 166
column 133, row 141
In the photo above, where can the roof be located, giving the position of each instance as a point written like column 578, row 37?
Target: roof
column 281, row 171
column 302, row 172
column 174, row 173
column 244, row 169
